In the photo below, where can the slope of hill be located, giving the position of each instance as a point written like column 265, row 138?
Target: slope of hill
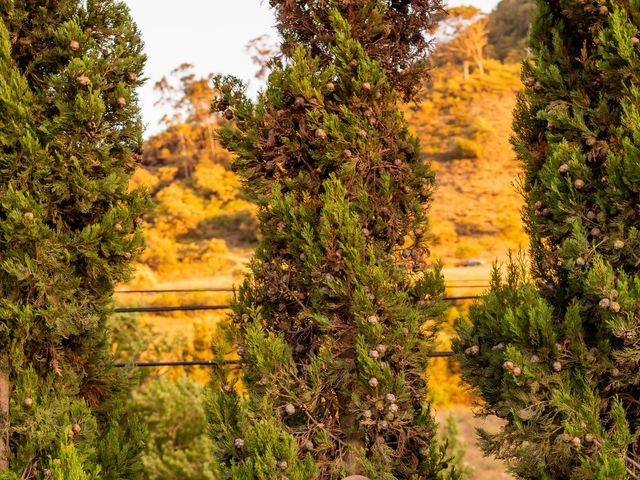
column 201, row 227
column 464, row 127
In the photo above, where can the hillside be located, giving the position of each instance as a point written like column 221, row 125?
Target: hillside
column 202, row 228
column 464, row 127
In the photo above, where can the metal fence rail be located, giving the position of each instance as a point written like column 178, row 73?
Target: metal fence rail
column 183, row 308
column 186, row 363
column 177, row 290
column 214, row 363
column 230, row 290
column 209, row 363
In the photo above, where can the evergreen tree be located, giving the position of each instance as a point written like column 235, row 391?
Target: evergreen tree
column 336, row 318
column 69, row 136
column 556, row 352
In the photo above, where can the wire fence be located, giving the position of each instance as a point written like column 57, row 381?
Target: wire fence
column 231, row 290
column 178, row 290
column 209, row 363
column 161, row 309
column 186, row 308
column 215, row 363
column 184, row 363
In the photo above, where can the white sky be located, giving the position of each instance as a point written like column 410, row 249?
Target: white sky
column 210, row 34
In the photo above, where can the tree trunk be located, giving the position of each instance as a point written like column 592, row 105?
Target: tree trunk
column 481, row 66
column 4, row 420
column 183, row 151
column 465, row 67
column 479, row 60
column 212, row 143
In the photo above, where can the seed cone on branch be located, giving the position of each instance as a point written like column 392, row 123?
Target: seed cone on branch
column 322, row 295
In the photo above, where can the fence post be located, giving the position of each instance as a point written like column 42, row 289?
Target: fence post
column 4, row 417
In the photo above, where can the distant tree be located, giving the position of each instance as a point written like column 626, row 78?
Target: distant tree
column 70, row 138
column 189, row 118
column 508, row 29
column 556, row 352
column 262, row 51
column 337, row 316
column 200, row 208
column 466, row 29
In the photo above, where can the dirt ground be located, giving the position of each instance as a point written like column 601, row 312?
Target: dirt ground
column 484, row 468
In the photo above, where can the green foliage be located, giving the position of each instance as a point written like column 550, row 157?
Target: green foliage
column 330, row 322
column 508, row 29
column 455, row 449
column 264, row 450
column 68, row 466
column 170, row 407
column 557, row 355
column 393, row 33
column 178, row 445
column 68, row 227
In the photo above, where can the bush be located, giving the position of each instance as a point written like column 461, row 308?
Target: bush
column 178, row 446
column 467, row 148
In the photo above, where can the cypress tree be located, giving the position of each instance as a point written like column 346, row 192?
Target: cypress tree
column 556, row 351
column 69, row 136
column 335, row 319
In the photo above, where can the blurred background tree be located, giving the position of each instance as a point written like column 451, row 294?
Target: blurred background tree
column 465, row 38
column 508, row 30
column 201, row 223
column 262, row 50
